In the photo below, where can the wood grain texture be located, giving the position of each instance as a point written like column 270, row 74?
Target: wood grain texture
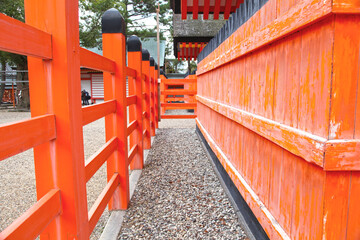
column 299, row 16
column 266, row 219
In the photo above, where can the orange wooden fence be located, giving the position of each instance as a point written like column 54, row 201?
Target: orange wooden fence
column 50, row 39
column 178, row 94
column 279, row 104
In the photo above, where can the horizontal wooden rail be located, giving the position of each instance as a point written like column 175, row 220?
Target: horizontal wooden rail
column 175, row 99
column 329, row 154
column 98, row 159
column 132, row 126
column 98, row 208
column 97, row 111
column 301, row 15
column 179, row 105
column 20, row 136
column 133, row 151
column 178, row 116
column 130, row 100
column 178, row 92
column 253, row 200
column 36, row 219
column 131, row 72
column 178, row 81
column 95, row 61
column 20, row 38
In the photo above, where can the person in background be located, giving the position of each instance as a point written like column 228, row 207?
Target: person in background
column 85, row 96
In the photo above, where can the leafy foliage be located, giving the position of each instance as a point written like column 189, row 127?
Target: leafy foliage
column 134, row 12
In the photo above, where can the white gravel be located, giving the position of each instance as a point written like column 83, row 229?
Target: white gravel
column 178, row 195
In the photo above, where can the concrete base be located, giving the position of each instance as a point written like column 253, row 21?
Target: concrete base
column 113, row 226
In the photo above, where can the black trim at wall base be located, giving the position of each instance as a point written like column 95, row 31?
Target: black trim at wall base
column 248, row 221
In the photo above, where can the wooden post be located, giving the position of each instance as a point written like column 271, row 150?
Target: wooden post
column 55, row 89
column 114, row 48
column 146, row 104
column 152, row 96
column 135, row 88
column 156, row 87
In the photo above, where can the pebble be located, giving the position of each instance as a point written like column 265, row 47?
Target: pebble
column 178, row 195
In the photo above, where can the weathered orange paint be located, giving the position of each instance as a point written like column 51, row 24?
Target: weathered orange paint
column 278, row 104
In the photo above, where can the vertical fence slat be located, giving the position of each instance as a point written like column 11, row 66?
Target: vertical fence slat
column 146, row 89
column 152, row 96
column 55, row 89
column 135, row 88
column 114, row 48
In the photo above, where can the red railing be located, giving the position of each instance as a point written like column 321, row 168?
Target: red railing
column 50, row 39
column 178, row 94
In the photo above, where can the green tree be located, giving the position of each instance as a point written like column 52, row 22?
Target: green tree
column 135, row 12
column 15, row 9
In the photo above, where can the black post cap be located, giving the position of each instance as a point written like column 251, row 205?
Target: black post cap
column 152, row 62
column 145, row 55
column 156, row 66
column 134, row 44
column 113, row 22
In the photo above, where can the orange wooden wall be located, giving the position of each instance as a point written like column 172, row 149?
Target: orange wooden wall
column 278, row 104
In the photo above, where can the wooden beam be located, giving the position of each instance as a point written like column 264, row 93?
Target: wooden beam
column 178, row 92
column 228, row 4
column 130, row 100
column 183, row 9
column 206, row 9
column 36, row 219
column 95, row 61
column 178, row 116
column 20, row 136
column 195, row 9
column 131, row 72
column 131, row 127
column 98, row 158
column 98, row 208
column 95, row 112
column 20, row 38
column 217, row 9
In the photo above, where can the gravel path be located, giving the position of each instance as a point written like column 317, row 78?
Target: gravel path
column 178, row 195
